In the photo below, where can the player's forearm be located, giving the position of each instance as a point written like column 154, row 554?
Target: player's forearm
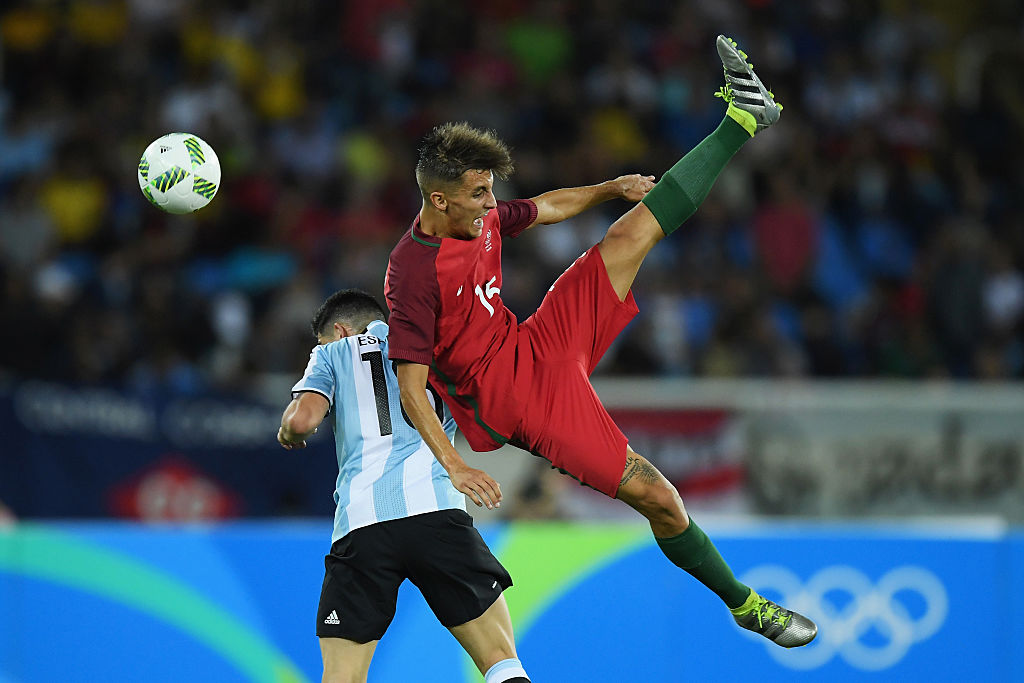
column 412, row 389
column 425, row 420
column 559, row 205
column 299, row 421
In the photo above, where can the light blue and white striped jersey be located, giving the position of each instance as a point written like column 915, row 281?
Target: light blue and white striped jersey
column 385, row 470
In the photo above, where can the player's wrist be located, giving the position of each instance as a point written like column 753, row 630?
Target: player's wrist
column 611, row 189
column 453, row 463
column 616, row 188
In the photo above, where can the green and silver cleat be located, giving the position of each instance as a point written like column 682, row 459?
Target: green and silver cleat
column 778, row 624
column 751, row 104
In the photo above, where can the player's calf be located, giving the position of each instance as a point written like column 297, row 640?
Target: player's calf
column 646, row 490
column 683, row 542
column 489, row 642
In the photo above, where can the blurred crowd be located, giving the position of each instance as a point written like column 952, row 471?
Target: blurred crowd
column 873, row 232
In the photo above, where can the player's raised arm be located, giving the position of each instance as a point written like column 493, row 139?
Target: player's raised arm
column 301, row 418
column 558, row 205
column 477, row 484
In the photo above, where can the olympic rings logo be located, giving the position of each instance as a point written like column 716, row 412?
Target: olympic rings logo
column 868, row 625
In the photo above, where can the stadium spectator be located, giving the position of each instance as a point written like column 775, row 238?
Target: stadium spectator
column 838, row 229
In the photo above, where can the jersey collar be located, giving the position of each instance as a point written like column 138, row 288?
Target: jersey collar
column 422, row 237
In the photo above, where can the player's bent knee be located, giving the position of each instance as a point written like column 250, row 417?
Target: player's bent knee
column 636, row 231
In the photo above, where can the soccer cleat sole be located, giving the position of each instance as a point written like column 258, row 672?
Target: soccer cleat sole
column 743, row 89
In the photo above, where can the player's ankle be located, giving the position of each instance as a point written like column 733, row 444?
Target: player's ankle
column 745, row 119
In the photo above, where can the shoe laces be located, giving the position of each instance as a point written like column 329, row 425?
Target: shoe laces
column 767, row 610
column 725, row 92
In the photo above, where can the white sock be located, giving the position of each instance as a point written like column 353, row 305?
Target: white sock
column 504, row 670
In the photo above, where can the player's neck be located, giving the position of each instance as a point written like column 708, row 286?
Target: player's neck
column 433, row 223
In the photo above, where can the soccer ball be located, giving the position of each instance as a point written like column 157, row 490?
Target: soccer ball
column 179, row 173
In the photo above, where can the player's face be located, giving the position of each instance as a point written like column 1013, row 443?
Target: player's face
column 468, row 205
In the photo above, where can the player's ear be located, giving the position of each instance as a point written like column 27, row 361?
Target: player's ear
column 439, row 201
column 342, row 330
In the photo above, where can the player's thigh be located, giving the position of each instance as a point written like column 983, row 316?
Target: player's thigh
column 453, row 568
column 626, row 244
column 346, row 661
column 567, row 425
column 488, row 639
column 580, row 315
column 362, row 575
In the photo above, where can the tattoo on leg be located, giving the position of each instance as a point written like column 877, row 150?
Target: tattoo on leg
column 638, row 467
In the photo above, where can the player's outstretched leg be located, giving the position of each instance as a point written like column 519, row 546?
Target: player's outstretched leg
column 683, row 188
column 645, row 489
column 751, row 109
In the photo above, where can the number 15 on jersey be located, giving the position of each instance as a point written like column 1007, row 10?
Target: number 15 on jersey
column 485, row 295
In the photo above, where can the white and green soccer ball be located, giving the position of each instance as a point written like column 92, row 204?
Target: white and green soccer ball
column 179, row 173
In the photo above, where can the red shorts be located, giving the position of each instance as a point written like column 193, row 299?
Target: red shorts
column 564, row 421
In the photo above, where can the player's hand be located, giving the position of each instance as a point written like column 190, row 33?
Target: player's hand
column 478, row 485
column 634, row 187
column 289, row 445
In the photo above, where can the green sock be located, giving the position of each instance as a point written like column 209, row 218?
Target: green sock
column 694, row 552
column 684, row 186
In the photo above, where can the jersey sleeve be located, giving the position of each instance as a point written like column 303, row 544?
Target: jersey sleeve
column 515, row 216
column 413, row 295
column 318, row 377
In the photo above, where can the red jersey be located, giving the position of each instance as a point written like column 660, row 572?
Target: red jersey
column 447, row 313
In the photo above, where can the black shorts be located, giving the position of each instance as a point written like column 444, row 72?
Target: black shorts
column 440, row 552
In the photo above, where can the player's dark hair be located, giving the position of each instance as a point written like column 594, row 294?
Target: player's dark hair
column 352, row 307
column 451, row 149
